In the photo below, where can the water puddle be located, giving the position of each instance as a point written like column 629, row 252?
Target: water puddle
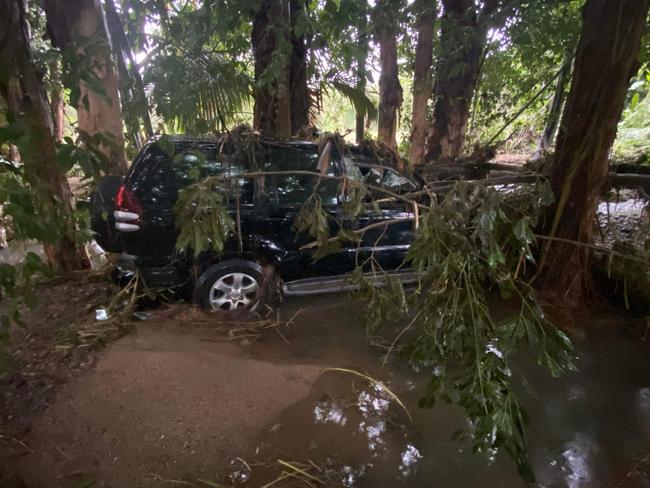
column 587, row 430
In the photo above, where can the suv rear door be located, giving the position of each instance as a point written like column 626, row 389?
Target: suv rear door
column 284, row 196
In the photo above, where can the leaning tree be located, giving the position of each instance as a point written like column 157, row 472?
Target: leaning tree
column 606, row 60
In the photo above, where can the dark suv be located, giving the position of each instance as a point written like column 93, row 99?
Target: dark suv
column 135, row 217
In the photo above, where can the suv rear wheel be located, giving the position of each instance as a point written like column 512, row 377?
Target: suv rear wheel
column 229, row 285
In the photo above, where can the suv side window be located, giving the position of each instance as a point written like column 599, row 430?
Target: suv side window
column 203, row 161
column 296, row 189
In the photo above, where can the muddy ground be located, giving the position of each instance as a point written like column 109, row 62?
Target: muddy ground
column 181, row 399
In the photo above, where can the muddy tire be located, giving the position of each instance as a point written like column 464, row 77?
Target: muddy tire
column 230, row 285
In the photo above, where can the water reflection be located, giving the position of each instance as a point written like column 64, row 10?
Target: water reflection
column 410, row 458
column 241, row 475
column 369, row 414
column 374, row 430
column 578, row 462
column 329, row 412
column 352, row 475
column 643, row 405
column 375, row 402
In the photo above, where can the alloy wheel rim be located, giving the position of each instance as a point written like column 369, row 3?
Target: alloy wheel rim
column 233, row 290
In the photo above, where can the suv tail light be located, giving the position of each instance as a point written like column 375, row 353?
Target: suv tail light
column 128, row 211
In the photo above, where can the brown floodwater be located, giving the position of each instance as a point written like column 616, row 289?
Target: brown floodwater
column 588, row 429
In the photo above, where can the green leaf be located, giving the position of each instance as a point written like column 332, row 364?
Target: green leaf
column 167, row 145
column 523, row 232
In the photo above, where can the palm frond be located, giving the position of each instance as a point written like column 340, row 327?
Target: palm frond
column 358, row 98
column 197, row 94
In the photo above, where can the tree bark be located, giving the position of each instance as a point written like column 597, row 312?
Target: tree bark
column 462, row 40
column 390, row 89
column 57, row 103
column 606, row 60
column 23, row 89
column 298, row 88
column 555, row 108
column 75, row 23
column 360, row 68
column 131, row 84
column 422, row 83
column 270, row 34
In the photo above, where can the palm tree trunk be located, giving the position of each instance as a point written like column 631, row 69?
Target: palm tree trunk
column 272, row 112
column 298, row 88
column 361, row 61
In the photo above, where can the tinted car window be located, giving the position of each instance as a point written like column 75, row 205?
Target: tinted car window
column 156, row 177
column 152, row 180
column 296, row 189
column 203, row 161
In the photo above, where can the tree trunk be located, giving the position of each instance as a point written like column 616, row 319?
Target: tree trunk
column 422, row 84
column 606, row 59
column 555, row 109
column 131, row 84
column 361, row 60
column 462, row 40
column 390, row 89
column 26, row 98
column 272, row 112
column 298, row 89
column 76, row 23
column 56, row 101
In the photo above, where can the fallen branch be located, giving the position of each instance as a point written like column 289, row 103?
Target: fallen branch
column 594, row 247
column 627, row 180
